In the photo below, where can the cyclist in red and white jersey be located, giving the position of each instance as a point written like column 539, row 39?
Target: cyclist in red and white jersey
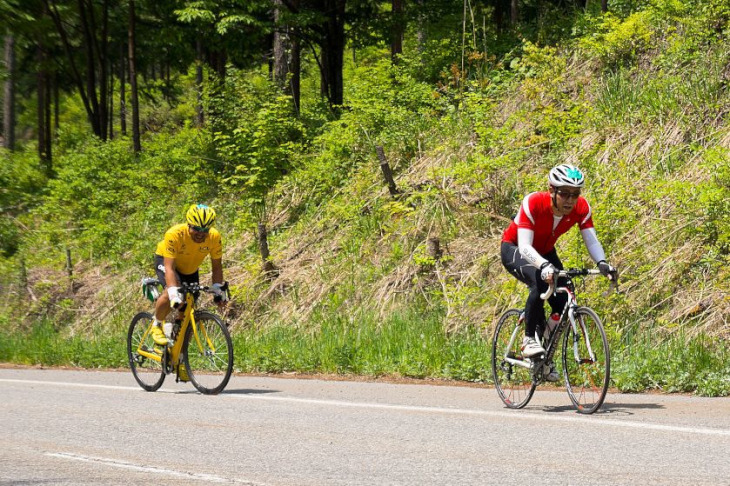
column 528, row 246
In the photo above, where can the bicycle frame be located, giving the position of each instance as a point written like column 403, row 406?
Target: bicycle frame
column 175, row 352
column 569, row 311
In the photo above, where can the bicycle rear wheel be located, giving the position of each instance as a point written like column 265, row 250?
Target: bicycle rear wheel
column 208, row 353
column 586, row 361
column 146, row 370
column 513, row 382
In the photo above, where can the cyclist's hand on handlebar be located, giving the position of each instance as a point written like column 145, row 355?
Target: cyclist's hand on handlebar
column 547, row 272
column 175, row 296
column 608, row 270
column 220, row 292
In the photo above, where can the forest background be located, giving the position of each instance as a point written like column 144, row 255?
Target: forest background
column 281, row 114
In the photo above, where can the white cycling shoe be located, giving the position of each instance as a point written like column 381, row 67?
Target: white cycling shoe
column 530, row 348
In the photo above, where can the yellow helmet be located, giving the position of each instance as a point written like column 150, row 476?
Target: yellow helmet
column 201, row 217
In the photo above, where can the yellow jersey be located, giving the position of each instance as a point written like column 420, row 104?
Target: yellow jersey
column 188, row 254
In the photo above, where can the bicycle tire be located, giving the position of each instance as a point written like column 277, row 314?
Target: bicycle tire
column 148, row 372
column 586, row 377
column 209, row 359
column 514, row 383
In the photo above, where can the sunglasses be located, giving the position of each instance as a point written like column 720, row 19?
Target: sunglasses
column 567, row 194
column 199, row 229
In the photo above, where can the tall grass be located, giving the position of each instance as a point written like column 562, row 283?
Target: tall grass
column 678, row 363
column 411, row 344
column 405, row 344
column 44, row 345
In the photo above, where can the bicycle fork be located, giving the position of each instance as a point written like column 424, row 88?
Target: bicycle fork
column 580, row 331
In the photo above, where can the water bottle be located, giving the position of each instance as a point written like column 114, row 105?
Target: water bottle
column 552, row 323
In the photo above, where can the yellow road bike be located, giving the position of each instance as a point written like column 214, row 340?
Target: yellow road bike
column 201, row 349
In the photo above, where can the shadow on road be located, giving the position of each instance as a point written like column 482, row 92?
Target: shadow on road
column 609, row 408
column 245, row 391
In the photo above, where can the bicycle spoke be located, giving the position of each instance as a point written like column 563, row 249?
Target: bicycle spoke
column 511, row 378
column 209, row 353
column 145, row 358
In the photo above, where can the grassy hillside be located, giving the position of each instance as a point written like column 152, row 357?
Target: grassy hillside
column 640, row 102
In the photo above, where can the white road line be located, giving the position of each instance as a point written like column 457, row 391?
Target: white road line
column 515, row 415
column 146, row 469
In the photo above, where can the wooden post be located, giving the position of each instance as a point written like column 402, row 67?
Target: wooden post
column 433, row 248
column 23, row 277
column 387, row 173
column 70, row 269
column 262, row 238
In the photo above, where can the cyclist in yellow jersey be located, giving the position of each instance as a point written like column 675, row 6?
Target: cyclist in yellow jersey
column 178, row 257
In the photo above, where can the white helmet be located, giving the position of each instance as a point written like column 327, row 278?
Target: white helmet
column 566, row 175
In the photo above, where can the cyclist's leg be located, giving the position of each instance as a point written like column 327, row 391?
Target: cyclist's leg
column 526, row 273
column 162, row 305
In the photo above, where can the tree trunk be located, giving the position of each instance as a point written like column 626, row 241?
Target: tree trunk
column 604, row 6
column 421, row 34
column 48, row 7
column 111, row 102
column 501, row 7
column 333, row 51
column 44, row 104
column 397, row 29
column 9, row 95
column 217, row 61
column 294, row 86
column 281, row 46
column 56, row 105
column 90, row 55
column 133, row 82
column 103, row 63
column 122, row 93
column 42, row 93
column 287, row 61
column 47, row 123
column 514, row 11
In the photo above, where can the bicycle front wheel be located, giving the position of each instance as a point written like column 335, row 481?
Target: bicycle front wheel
column 511, row 373
column 586, row 361
column 208, row 353
column 145, row 358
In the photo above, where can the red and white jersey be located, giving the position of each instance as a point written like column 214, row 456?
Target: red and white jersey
column 536, row 214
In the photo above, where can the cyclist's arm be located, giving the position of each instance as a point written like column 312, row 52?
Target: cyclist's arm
column 525, row 237
column 595, row 249
column 170, row 279
column 217, row 268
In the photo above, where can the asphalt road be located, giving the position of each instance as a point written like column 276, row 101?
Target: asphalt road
column 77, row 427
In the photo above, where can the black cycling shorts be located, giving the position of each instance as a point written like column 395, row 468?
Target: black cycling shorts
column 181, row 277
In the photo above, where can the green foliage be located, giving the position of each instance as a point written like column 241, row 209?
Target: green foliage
column 105, row 201
column 638, row 100
column 45, row 345
column 256, row 133
column 711, row 202
column 21, row 182
column 676, row 364
column 384, row 106
column 412, row 345
column 616, row 41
